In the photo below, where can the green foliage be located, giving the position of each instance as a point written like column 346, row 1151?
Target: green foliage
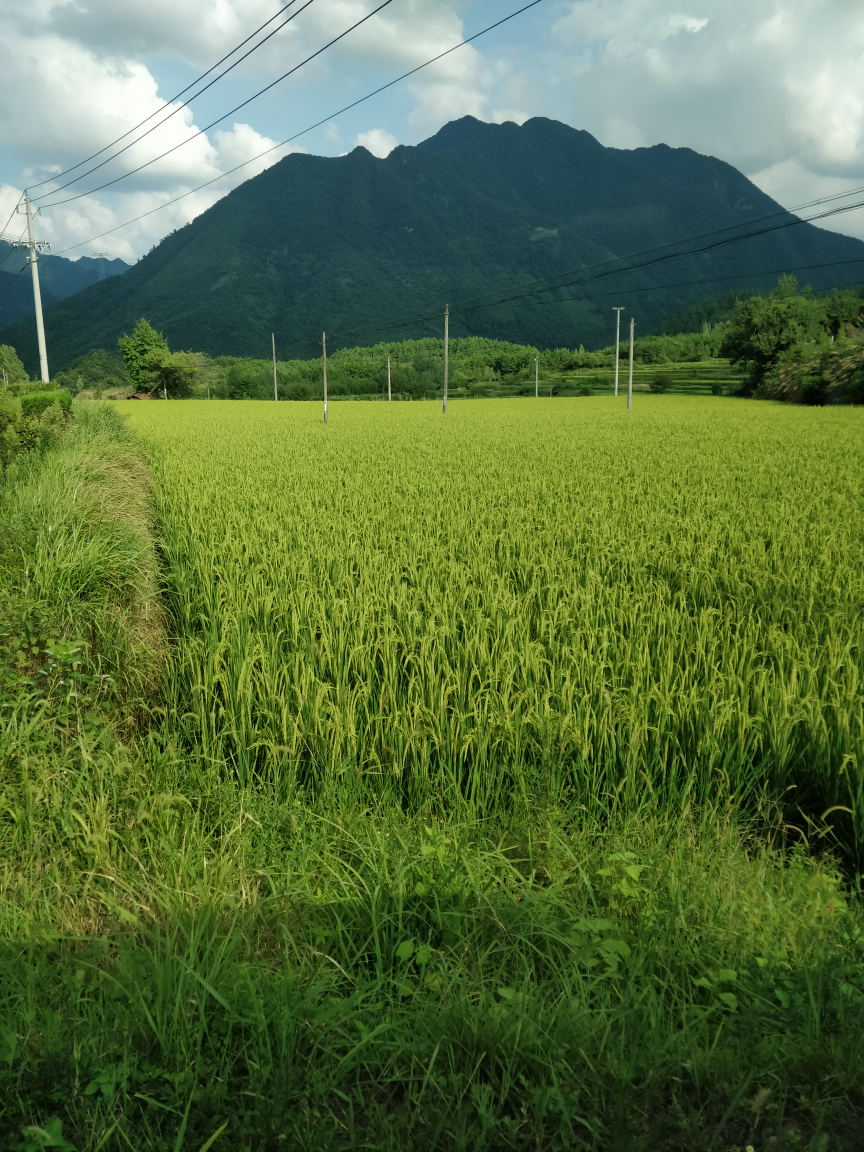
column 248, row 380
column 177, row 372
column 296, row 704
column 765, row 327
column 11, row 365
column 144, row 353
column 79, row 571
column 396, row 979
column 660, row 382
column 815, row 375
column 844, row 308
column 153, row 367
column 97, row 370
column 458, row 820
column 35, row 403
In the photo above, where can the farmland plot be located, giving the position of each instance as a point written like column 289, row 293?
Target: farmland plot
column 551, row 602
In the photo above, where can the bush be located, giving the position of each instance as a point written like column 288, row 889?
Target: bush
column 716, row 388
column 660, row 382
column 33, row 404
column 584, row 390
column 819, row 375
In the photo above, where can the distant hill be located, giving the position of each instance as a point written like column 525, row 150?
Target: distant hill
column 350, row 244
column 58, row 279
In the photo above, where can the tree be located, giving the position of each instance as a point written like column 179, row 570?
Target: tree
column 843, row 307
column 244, row 379
column 15, row 372
column 764, row 327
column 177, row 372
column 144, row 353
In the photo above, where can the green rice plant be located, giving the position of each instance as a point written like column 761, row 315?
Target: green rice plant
column 523, row 603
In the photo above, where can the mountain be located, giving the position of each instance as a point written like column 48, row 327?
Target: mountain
column 352, row 244
column 58, row 279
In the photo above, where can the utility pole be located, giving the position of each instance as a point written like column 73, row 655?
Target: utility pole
column 537, row 376
column 35, row 247
column 275, row 390
column 446, row 350
column 630, row 376
column 324, row 363
column 389, row 397
column 617, row 312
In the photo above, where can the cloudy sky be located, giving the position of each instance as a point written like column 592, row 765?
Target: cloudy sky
column 776, row 87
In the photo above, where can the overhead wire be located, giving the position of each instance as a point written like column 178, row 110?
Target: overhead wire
column 173, row 112
column 218, row 120
column 169, row 102
column 12, row 249
column 302, row 132
column 497, row 300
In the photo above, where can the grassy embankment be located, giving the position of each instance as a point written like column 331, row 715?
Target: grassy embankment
column 461, row 815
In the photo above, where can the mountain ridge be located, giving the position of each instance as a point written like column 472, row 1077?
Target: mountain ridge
column 59, row 278
column 352, row 244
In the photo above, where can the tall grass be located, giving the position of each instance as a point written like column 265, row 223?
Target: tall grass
column 644, row 989
column 543, row 604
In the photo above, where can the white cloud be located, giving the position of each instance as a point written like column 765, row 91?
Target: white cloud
column 377, row 141
column 76, row 76
column 775, row 88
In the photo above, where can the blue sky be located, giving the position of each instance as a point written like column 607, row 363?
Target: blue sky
column 776, row 88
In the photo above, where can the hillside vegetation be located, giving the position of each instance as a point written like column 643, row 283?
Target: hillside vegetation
column 352, row 245
column 789, row 344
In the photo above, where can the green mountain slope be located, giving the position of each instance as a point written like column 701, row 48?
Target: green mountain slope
column 354, row 244
column 58, row 278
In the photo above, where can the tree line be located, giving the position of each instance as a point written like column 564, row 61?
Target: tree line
column 791, row 344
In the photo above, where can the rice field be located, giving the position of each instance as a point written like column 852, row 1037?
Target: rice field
column 477, row 799
column 547, row 603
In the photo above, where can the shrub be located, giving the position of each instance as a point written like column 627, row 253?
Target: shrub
column 716, row 388
column 33, row 404
column 660, row 382
column 814, row 375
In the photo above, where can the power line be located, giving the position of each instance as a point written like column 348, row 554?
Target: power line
column 213, row 123
column 513, row 295
column 493, row 299
column 706, row 280
column 172, row 113
column 304, row 131
column 169, row 102
column 14, row 210
column 12, row 243
column 658, row 288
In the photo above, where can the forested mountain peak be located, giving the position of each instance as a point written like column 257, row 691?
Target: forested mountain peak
column 354, row 245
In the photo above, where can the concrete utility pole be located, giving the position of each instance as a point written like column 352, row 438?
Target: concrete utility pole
column 537, row 376
column 617, row 312
column 389, row 397
column 275, row 389
column 446, row 350
column 630, row 376
column 324, row 363
column 35, row 247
